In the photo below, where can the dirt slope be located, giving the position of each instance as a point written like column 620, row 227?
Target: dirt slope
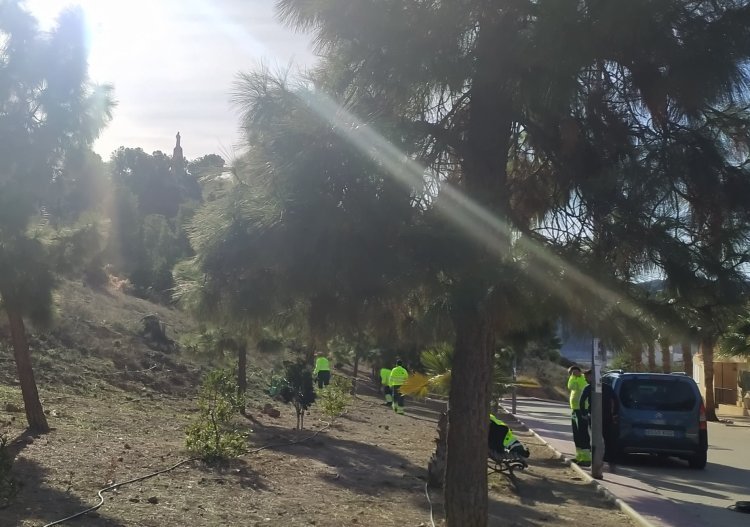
column 119, row 409
column 367, row 468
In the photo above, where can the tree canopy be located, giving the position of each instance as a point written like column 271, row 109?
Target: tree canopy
column 511, row 162
column 49, row 113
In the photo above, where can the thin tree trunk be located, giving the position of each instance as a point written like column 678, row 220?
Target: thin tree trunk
column 707, row 350
column 466, row 469
column 34, row 411
column 355, row 371
column 636, row 357
column 666, row 357
column 687, row 357
column 242, row 367
column 651, row 356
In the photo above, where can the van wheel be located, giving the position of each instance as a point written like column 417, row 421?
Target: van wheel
column 698, row 461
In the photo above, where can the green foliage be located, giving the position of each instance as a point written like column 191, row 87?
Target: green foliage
column 152, row 204
column 276, row 383
column 213, row 436
column 158, row 187
column 75, row 250
column 438, row 360
column 26, row 280
column 623, row 361
column 297, row 388
column 216, row 343
column 735, row 342
column 50, row 115
column 9, row 487
column 207, row 170
column 336, row 397
column 80, row 187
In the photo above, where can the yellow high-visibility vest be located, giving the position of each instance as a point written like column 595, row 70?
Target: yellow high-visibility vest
column 385, row 375
column 509, row 437
column 576, row 384
column 398, row 376
column 321, row 364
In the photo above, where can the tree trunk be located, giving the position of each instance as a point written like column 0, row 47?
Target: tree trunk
column 471, row 380
column 707, row 350
column 651, row 356
column 355, row 371
column 687, row 357
column 484, row 163
column 242, row 367
column 666, row 357
column 34, row 411
column 636, row 357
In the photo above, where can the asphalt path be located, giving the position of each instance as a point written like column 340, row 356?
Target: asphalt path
column 665, row 491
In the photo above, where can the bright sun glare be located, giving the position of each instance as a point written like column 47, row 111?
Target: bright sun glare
column 123, row 33
column 117, row 30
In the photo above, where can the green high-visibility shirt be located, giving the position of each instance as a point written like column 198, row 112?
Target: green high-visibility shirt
column 321, row 364
column 398, row 376
column 576, row 384
column 509, row 437
column 385, row 375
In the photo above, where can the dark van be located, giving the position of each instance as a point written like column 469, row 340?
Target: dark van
column 660, row 414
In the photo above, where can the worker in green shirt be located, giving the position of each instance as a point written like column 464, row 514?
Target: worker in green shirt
column 322, row 370
column 398, row 377
column 501, row 441
column 576, row 383
column 385, row 376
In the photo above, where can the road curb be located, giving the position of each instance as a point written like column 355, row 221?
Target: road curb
column 624, row 507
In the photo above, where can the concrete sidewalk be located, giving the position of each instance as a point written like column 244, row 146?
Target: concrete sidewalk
column 641, row 501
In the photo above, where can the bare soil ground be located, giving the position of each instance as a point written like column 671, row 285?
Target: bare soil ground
column 367, row 467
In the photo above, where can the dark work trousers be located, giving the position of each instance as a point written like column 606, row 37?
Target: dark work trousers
column 388, row 394
column 581, row 436
column 324, row 377
column 398, row 398
column 609, row 433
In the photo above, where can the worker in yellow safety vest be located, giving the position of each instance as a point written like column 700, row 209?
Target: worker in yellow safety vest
column 322, row 370
column 501, row 440
column 385, row 376
column 576, row 383
column 398, row 377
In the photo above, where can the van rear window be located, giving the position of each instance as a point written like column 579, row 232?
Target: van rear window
column 657, row 394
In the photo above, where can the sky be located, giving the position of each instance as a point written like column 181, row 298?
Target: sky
column 173, row 64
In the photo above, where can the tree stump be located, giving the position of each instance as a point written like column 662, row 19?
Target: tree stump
column 438, row 461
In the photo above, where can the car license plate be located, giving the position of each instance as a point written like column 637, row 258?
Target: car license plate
column 659, row 433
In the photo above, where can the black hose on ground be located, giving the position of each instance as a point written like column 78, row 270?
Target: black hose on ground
column 184, row 461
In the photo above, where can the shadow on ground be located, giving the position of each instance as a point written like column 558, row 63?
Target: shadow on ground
column 39, row 503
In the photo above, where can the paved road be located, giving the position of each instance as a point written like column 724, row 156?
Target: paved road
column 666, row 492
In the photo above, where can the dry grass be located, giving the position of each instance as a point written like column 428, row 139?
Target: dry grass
column 112, row 422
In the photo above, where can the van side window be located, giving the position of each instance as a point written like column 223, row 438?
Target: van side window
column 657, row 394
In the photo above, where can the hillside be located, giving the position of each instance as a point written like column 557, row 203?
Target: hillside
column 119, row 409
column 97, row 342
column 542, row 379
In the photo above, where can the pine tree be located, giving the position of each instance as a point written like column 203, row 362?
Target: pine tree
column 48, row 109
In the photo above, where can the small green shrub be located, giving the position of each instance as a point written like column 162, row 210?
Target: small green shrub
column 275, row 384
column 212, row 436
column 334, row 398
column 8, row 484
column 297, row 388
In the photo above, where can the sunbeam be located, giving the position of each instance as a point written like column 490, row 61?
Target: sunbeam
column 477, row 222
